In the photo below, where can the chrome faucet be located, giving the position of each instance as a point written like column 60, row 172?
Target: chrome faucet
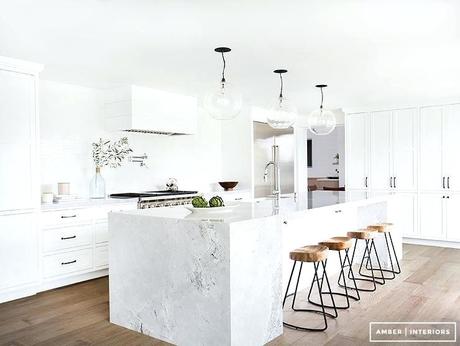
column 276, row 171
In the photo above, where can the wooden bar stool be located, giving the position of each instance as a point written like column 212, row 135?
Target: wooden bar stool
column 368, row 237
column 316, row 254
column 340, row 244
column 385, row 228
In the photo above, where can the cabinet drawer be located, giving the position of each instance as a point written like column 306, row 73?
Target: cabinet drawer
column 101, row 256
column 67, row 237
column 101, row 232
column 68, row 262
column 66, row 217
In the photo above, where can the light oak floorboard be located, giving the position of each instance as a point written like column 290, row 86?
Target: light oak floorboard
column 428, row 289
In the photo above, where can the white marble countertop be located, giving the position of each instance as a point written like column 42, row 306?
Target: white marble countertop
column 263, row 207
column 86, row 203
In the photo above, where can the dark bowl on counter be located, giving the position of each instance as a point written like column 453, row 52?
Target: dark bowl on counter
column 228, row 185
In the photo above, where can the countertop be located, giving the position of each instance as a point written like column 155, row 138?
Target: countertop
column 86, row 203
column 262, row 207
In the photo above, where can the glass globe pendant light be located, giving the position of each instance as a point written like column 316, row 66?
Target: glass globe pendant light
column 223, row 102
column 282, row 114
column 322, row 121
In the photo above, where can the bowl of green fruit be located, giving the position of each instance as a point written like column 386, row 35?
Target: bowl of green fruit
column 214, row 205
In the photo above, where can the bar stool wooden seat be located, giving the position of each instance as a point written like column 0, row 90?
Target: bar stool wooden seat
column 367, row 235
column 340, row 244
column 316, row 254
column 385, row 228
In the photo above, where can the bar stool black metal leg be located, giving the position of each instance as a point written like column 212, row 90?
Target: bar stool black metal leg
column 392, row 270
column 367, row 252
column 322, row 311
column 372, row 268
column 347, row 295
column 394, row 253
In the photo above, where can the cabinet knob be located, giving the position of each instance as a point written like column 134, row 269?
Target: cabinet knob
column 285, row 222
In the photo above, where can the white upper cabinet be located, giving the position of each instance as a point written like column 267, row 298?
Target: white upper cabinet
column 18, row 136
column 439, row 143
column 403, row 149
column 451, row 143
column 381, row 158
column 385, row 142
column 357, row 152
column 141, row 109
column 431, row 171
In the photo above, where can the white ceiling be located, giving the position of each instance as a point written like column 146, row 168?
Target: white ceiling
column 369, row 52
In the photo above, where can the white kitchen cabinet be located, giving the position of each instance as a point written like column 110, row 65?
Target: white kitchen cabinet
column 452, row 208
column 381, row 158
column 431, row 216
column 392, row 158
column 19, row 178
column 74, row 243
column 142, row 109
column 403, row 149
column 439, row 143
column 357, row 151
column 18, row 251
column 431, row 158
column 451, row 144
column 405, row 214
column 17, row 140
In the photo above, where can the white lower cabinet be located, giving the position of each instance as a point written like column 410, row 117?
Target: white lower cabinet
column 438, row 216
column 67, row 237
column 67, row 262
column 452, row 208
column 431, row 216
column 18, row 250
column 405, row 214
column 74, row 244
column 101, row 256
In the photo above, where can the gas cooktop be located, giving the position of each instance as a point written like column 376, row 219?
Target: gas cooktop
column 146, row 194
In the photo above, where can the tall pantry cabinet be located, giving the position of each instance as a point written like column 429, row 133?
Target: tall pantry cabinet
column 19, row 178
column 412, row 152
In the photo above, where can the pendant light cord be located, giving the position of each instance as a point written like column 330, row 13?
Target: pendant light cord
column 281, row 85
column 223, row 68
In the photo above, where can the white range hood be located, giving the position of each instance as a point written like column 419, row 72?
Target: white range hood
column 145, row 110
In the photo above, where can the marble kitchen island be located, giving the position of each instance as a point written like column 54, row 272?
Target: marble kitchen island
column 219, row 279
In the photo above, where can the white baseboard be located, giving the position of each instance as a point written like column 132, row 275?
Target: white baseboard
column 18, row 293
column 428, row 242
column 55, row 283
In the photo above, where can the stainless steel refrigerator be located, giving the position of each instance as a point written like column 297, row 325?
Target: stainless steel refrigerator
column 264, row 138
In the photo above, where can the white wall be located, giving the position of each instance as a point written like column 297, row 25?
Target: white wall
column 71, row 118
column 324, row 148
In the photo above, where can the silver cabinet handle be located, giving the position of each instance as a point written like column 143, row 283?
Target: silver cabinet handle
column 443, row 182
column 337, row 211
column 391, row 181
column 448, row 182
column 365, row 182
column 394, row 182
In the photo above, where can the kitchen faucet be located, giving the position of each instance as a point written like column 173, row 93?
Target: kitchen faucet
column 276, row 172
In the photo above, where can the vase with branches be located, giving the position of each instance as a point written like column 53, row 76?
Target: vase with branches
column 107, row 154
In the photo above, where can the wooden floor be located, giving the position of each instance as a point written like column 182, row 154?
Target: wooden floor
column 427, row 290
